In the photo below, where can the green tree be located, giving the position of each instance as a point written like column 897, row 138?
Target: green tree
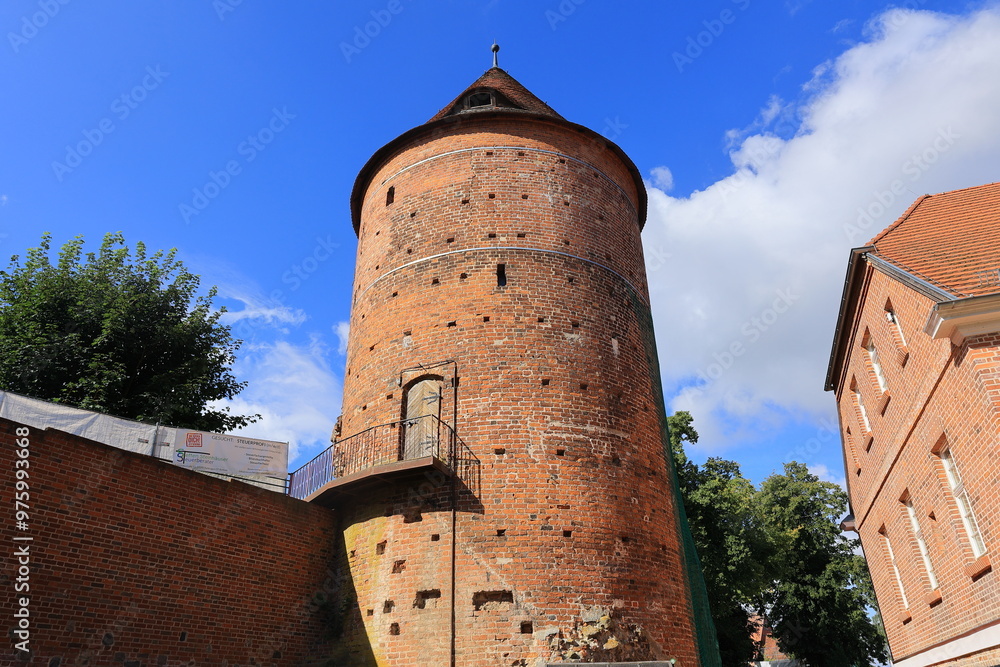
column 734, row 552
column 777, row 552
column 819, row 605
column 116, row 332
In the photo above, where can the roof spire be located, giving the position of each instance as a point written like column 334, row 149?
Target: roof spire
column 495, row 48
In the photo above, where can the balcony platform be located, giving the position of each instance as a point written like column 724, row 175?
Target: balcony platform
column 381, row 475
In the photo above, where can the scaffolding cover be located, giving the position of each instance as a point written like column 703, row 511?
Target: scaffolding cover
column 251, row 459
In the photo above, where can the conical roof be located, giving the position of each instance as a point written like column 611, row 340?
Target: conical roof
column 494, row 94
column 508, row 94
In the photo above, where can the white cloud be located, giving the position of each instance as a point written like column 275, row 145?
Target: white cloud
column 827, row 475
column 662, row 178
column 256, row 307
column 748, row 292
column 343, row 330
column 289, row 384
column 294, row 391
column 259, row 313
column 842, row 25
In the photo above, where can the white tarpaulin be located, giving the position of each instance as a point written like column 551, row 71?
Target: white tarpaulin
column 120, row 433
column 230, row 454
column 263, row 461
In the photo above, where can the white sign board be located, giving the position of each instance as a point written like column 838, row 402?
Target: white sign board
column 233, row 455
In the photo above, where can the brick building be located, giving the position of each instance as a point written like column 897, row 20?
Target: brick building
column 502, row 486
column 916, row 370
column 769, row 654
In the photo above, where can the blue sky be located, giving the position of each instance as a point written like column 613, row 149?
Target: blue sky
column 233, row 130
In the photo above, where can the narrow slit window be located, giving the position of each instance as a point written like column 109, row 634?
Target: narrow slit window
column 890, row 315
column 861, row 407
column 390, row 195
column 877, row 366
column 501, row 275
column 921, row 543
column 895, row 570
column 964, row 506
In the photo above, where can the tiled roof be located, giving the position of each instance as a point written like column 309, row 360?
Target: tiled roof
column 951, row 240
column 498, row 80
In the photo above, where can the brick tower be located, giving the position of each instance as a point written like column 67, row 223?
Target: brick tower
column 501, row 481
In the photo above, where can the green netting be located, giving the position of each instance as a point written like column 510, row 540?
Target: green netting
column 708, row 643
column 705, row 639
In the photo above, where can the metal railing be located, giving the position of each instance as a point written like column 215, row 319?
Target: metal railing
column 383, row 444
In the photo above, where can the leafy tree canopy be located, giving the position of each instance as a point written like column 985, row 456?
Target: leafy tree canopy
column 116, row 332
column 818, row 605
column 777, row 552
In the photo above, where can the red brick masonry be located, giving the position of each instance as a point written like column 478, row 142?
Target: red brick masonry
column 137, row 562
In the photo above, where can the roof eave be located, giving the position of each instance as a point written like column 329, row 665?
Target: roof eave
column 848, row 300
column 904, row 276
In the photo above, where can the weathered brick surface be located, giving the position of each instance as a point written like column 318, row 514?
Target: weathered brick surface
column 943, row 394
column 573, row 514
column 138, row 562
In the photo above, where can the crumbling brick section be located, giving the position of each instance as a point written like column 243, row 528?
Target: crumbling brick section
column 135, row 561
column 599, row 636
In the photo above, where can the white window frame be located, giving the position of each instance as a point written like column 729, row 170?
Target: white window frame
column 890, row 315
column 895, row 569
column 879, row 375
column 861, row 406
column 961, row 496
column 921, row 543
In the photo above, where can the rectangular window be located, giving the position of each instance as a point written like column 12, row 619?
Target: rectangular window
column 895, row 570
column 962, row 500
column 873, row 354
column 921, row 543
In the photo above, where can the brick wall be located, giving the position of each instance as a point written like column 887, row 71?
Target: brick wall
column 938, row 395
column 574, row 519
column 138, row 562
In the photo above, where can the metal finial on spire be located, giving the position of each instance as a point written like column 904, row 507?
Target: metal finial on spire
column 495, row 48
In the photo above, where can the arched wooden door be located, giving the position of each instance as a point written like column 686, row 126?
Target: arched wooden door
column 421, row 425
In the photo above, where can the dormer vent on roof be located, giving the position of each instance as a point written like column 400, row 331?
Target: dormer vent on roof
column 496, row 90
column 484, row 99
